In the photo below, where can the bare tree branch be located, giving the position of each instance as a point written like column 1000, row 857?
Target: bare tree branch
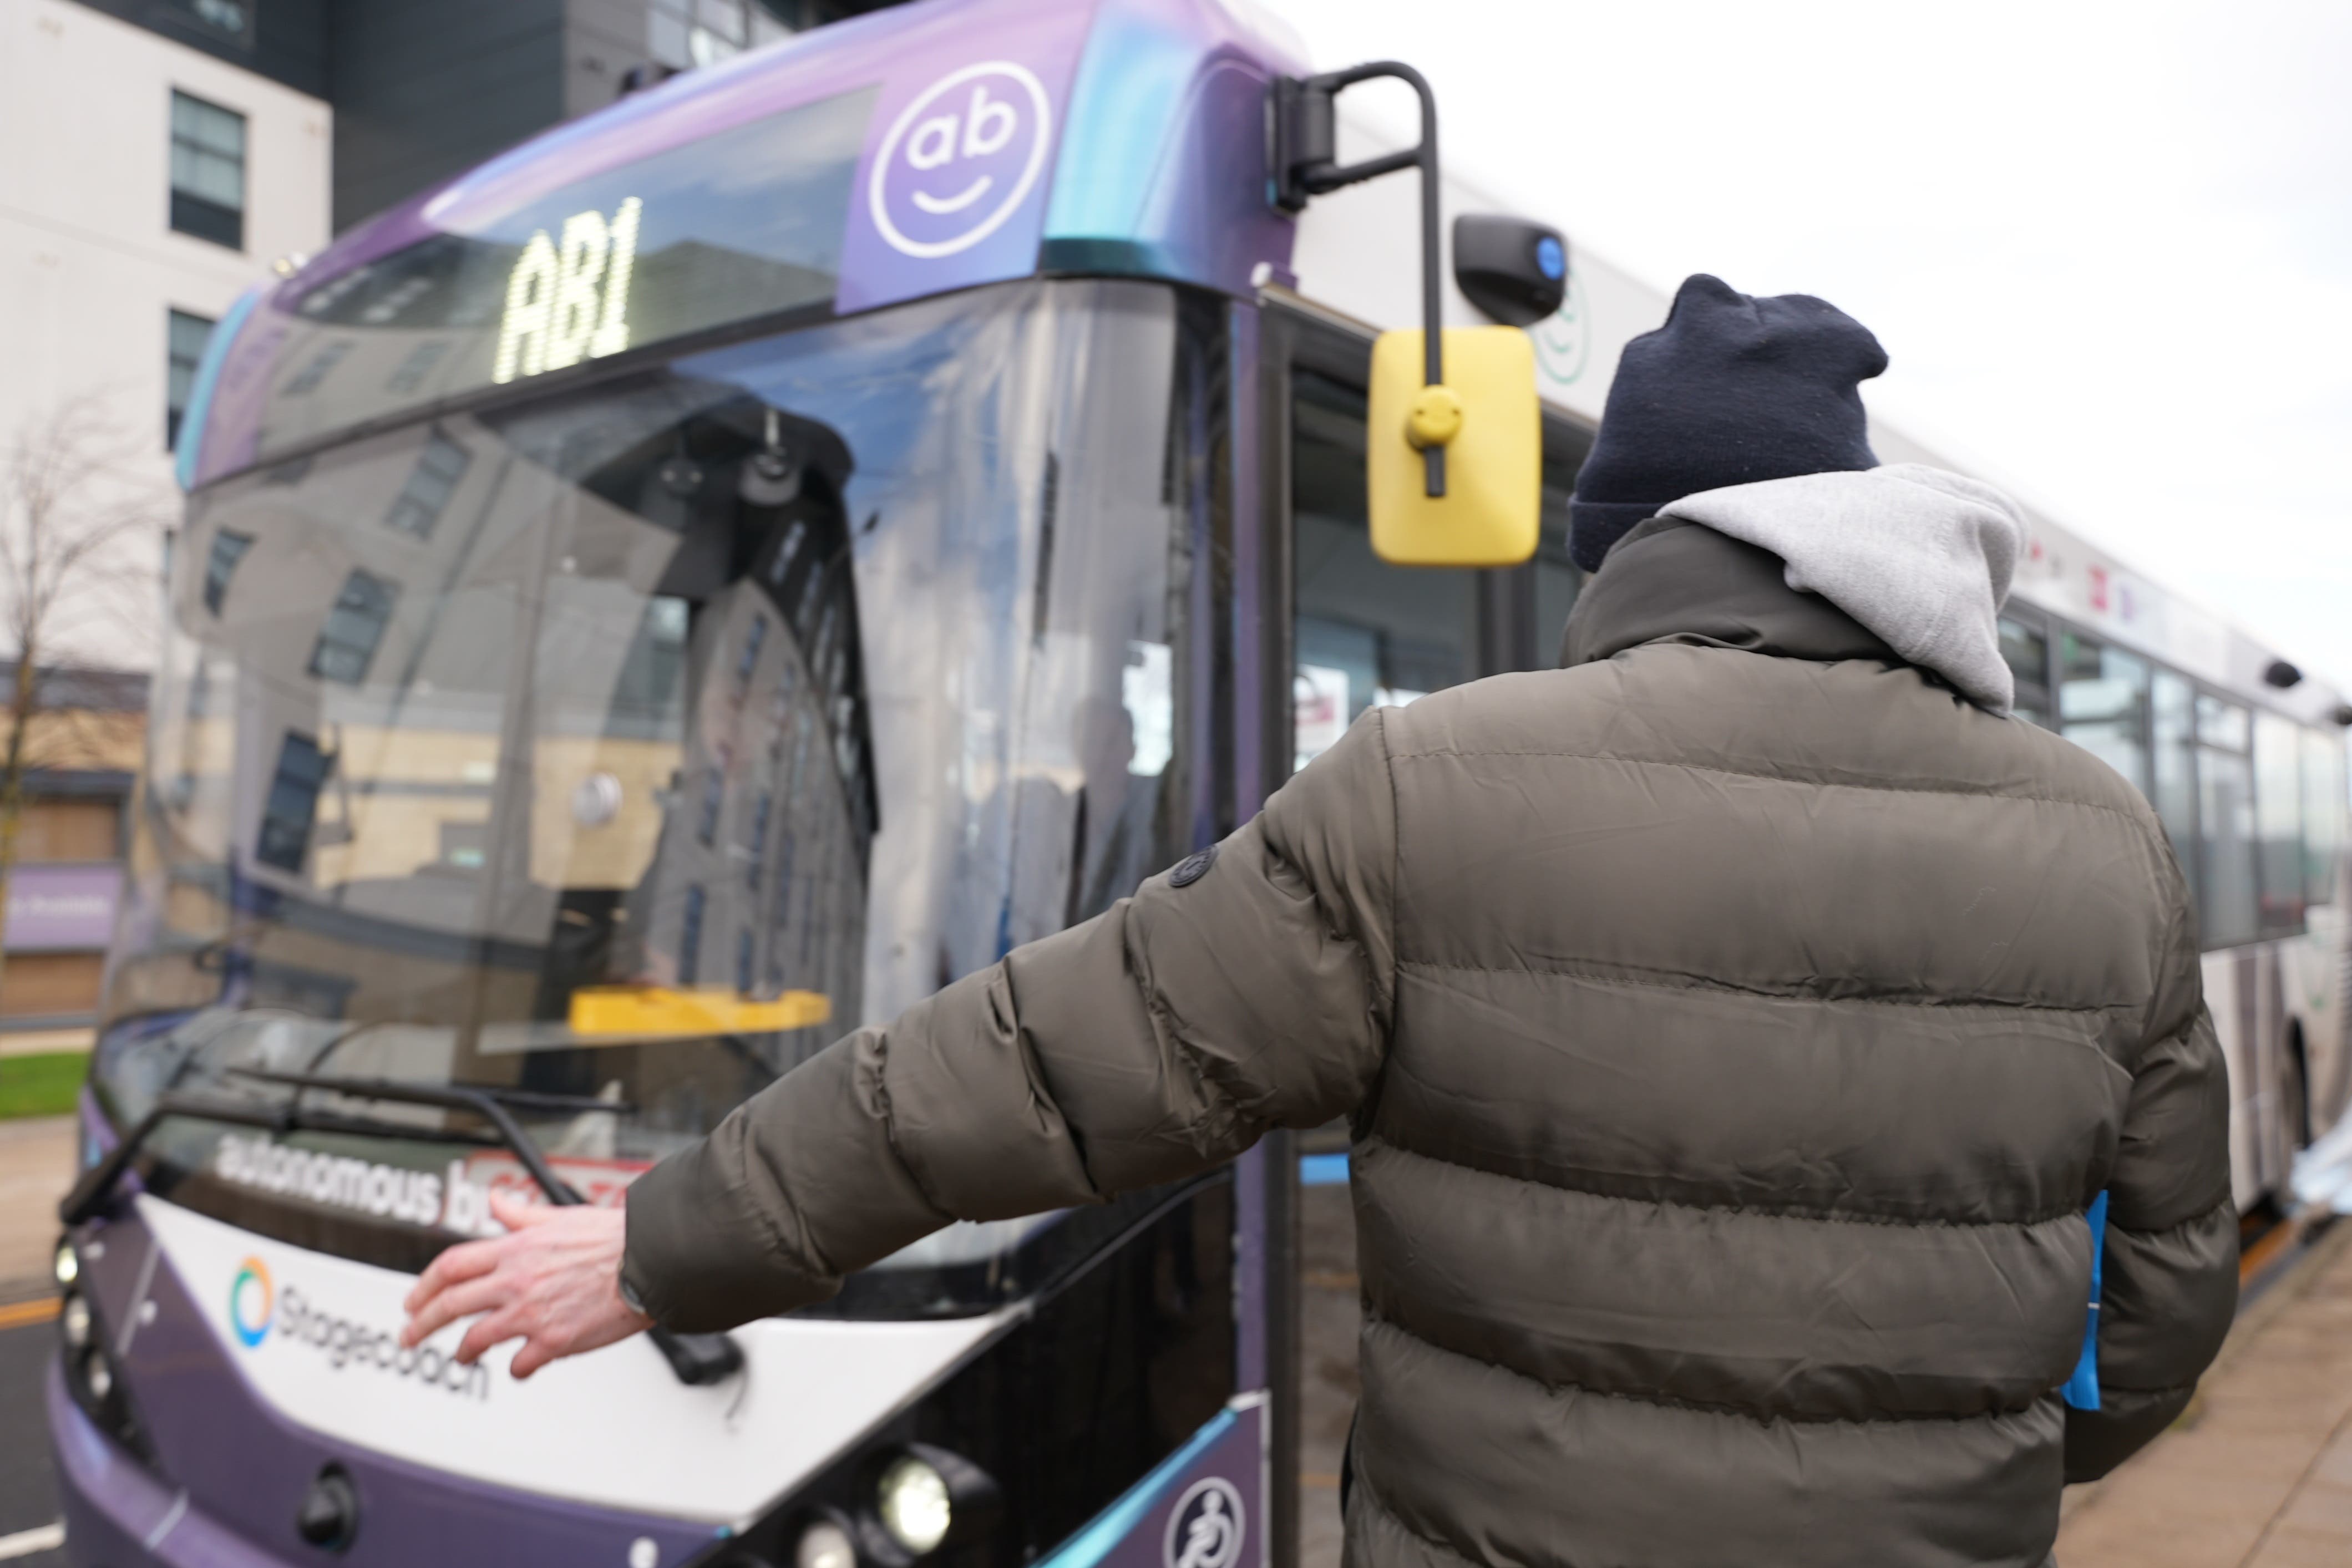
column 80, row 518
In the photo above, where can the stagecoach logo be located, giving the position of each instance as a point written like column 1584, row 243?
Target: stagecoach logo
column 257, row 1307
column 1205, row 1530
column 252, row 1302
column 960, row 159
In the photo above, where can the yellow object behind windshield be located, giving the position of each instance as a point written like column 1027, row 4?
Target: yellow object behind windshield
column 711, row 1009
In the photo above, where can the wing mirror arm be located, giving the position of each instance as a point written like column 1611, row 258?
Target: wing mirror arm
column 1303, row 126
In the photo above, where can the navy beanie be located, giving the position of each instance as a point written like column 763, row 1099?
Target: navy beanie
column 1731, row 390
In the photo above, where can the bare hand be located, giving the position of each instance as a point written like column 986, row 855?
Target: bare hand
column 553, row 1281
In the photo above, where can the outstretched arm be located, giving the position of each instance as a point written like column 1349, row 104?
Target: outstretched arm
column 1154, row 1041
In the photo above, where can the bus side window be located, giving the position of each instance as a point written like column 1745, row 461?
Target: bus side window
column 2278, row 818
column 2323, row 813
column 2225, row 817
column 2102, row 705
column 2027, row 651
column 2172, row 710
column 1558, row 578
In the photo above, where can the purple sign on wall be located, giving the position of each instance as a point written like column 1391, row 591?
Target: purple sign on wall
column 61, row 908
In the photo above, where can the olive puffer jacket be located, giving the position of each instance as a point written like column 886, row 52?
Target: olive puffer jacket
column 1736, row 1027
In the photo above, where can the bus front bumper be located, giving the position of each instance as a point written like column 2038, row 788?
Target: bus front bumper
column 117, row 1514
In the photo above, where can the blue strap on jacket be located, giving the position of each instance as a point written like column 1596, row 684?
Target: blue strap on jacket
column 2082, row 1390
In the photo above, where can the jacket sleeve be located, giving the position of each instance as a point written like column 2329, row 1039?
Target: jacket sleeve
column 1154, row 1041
column 2168, row 1286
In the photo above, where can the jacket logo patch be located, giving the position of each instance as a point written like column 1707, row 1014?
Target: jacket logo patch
column 1192, row 867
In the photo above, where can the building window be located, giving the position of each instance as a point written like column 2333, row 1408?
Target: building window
column 186, row 337
column 207, row 171
column 760, row 814
column 690, row 938
column 232, row 19
column 430, row 485
column 306, row 380
column 714, row 797
column 293, row 803
column 354, row 626
column 684, row 33
column 220, row 564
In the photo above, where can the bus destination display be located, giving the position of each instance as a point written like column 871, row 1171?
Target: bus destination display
column 744, row 224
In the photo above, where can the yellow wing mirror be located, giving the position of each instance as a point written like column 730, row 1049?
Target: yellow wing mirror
column 1484, row 420
column 1453, row 460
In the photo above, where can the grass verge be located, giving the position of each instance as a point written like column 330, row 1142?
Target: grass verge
column 41, row 1085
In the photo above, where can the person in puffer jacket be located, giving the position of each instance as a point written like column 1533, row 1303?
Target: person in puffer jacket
column 1749, row 1033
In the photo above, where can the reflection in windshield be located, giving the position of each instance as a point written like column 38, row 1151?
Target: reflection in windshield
column 635, row 744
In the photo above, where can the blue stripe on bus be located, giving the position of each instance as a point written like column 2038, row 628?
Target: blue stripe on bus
column 1323, row 1170
column 200, row 393
column 1117, row 1522
column 2082, row 1390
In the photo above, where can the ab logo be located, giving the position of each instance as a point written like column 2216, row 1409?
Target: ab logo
column 1204, row 1529
column 960, row 159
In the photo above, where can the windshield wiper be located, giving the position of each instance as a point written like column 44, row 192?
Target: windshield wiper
column 696, row 1359
column 492, row 1102
column 89, row 1195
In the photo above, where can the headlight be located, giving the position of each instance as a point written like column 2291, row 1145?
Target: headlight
column 912, row 1499
column 824, row 1544
column 66, row 1266
column 74, row 1319
column 97, row 1376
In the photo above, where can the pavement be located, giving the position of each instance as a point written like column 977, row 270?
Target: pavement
column 44, row 1041
column 28, row 1491
column 1330, row 1308
column 36, row 1165
column 2258, row 1473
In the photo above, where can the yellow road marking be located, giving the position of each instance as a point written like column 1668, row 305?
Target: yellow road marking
column 22, row 1312
column 2258, row 1257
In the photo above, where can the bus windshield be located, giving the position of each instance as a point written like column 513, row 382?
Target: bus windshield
column 630, row 745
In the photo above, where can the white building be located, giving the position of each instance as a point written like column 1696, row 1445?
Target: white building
column 143, row 184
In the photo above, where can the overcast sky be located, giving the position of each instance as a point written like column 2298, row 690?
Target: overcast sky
column 2107, row 246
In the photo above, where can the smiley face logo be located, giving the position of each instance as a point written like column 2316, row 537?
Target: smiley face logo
column 960, row 160
column 252, row 1302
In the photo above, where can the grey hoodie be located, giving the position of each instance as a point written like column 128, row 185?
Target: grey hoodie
column 1918, row 554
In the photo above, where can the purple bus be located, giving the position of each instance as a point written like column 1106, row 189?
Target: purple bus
column 701, row 583
column 693, row 585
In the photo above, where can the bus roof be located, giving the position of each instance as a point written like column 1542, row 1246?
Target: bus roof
column 987, row 140
column 993, row 139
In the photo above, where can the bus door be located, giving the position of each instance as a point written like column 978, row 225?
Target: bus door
column 1359, row 633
